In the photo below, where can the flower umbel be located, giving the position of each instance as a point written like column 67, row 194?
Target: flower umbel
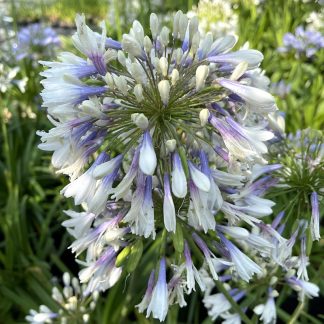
column 301, row 176
column 163, row 136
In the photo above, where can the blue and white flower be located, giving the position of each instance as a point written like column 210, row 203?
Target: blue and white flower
column 160, row 134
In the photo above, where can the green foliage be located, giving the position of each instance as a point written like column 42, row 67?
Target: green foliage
column 32, row 241
column 264, row 27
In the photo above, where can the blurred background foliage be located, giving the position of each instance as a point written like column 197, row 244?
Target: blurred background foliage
column 33, row 246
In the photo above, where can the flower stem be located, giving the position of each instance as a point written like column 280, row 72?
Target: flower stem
column 296, row 313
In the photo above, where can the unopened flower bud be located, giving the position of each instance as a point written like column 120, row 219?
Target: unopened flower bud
column 138, row 92
column 156, row 64
column 92, row 305
column 195, row 42
column 140, row 120
column 67, row 291
column 258, row 309
column 57, row 295
column 138, row 31
column 201, row 76
column 110, row 55
column 121, row 58
column 183, row 23
column 179, row 55
column 273, row 280
column 193, row 27
column 163, row 63
column 73, row 303
column 76, row 285
column 154, row 25
column 147, row 44
column 174, row 76
column 137, row 72
column 66, row 279
column 274, row 294
column 164, row 36
column 176, row 24
column 95, row 295
column 164, row 89
column 203, row 116
column 121, row 84
column 170, row 145
column 290, row 273
column 131, row 46
column 109, row 80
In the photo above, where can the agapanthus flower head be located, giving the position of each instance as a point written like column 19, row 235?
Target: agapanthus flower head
column 36, row 39
column 71, row 302
column 215, row 16
column 274, row 273
column 159, row 134
column 301, row 176
column 302, row 42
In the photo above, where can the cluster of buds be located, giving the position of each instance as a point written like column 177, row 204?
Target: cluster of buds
column 34, row 40
column 71, row 301
column 215, row 16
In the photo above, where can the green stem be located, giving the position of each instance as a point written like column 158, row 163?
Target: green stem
column 311, row 318
column 117, row 17
column 189, row 5
column 235, row 306
column 163, row 243
column 296, row 313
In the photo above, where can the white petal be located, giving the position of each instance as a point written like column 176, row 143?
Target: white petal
column 223, row 44
column 169, row 214
column 105, row 168
column 252, row 95
column 199, row 178
column 236, row 232
column 179, row 182
column 252, row 57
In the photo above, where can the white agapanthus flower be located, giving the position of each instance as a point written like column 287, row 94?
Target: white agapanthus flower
column 216, row 16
